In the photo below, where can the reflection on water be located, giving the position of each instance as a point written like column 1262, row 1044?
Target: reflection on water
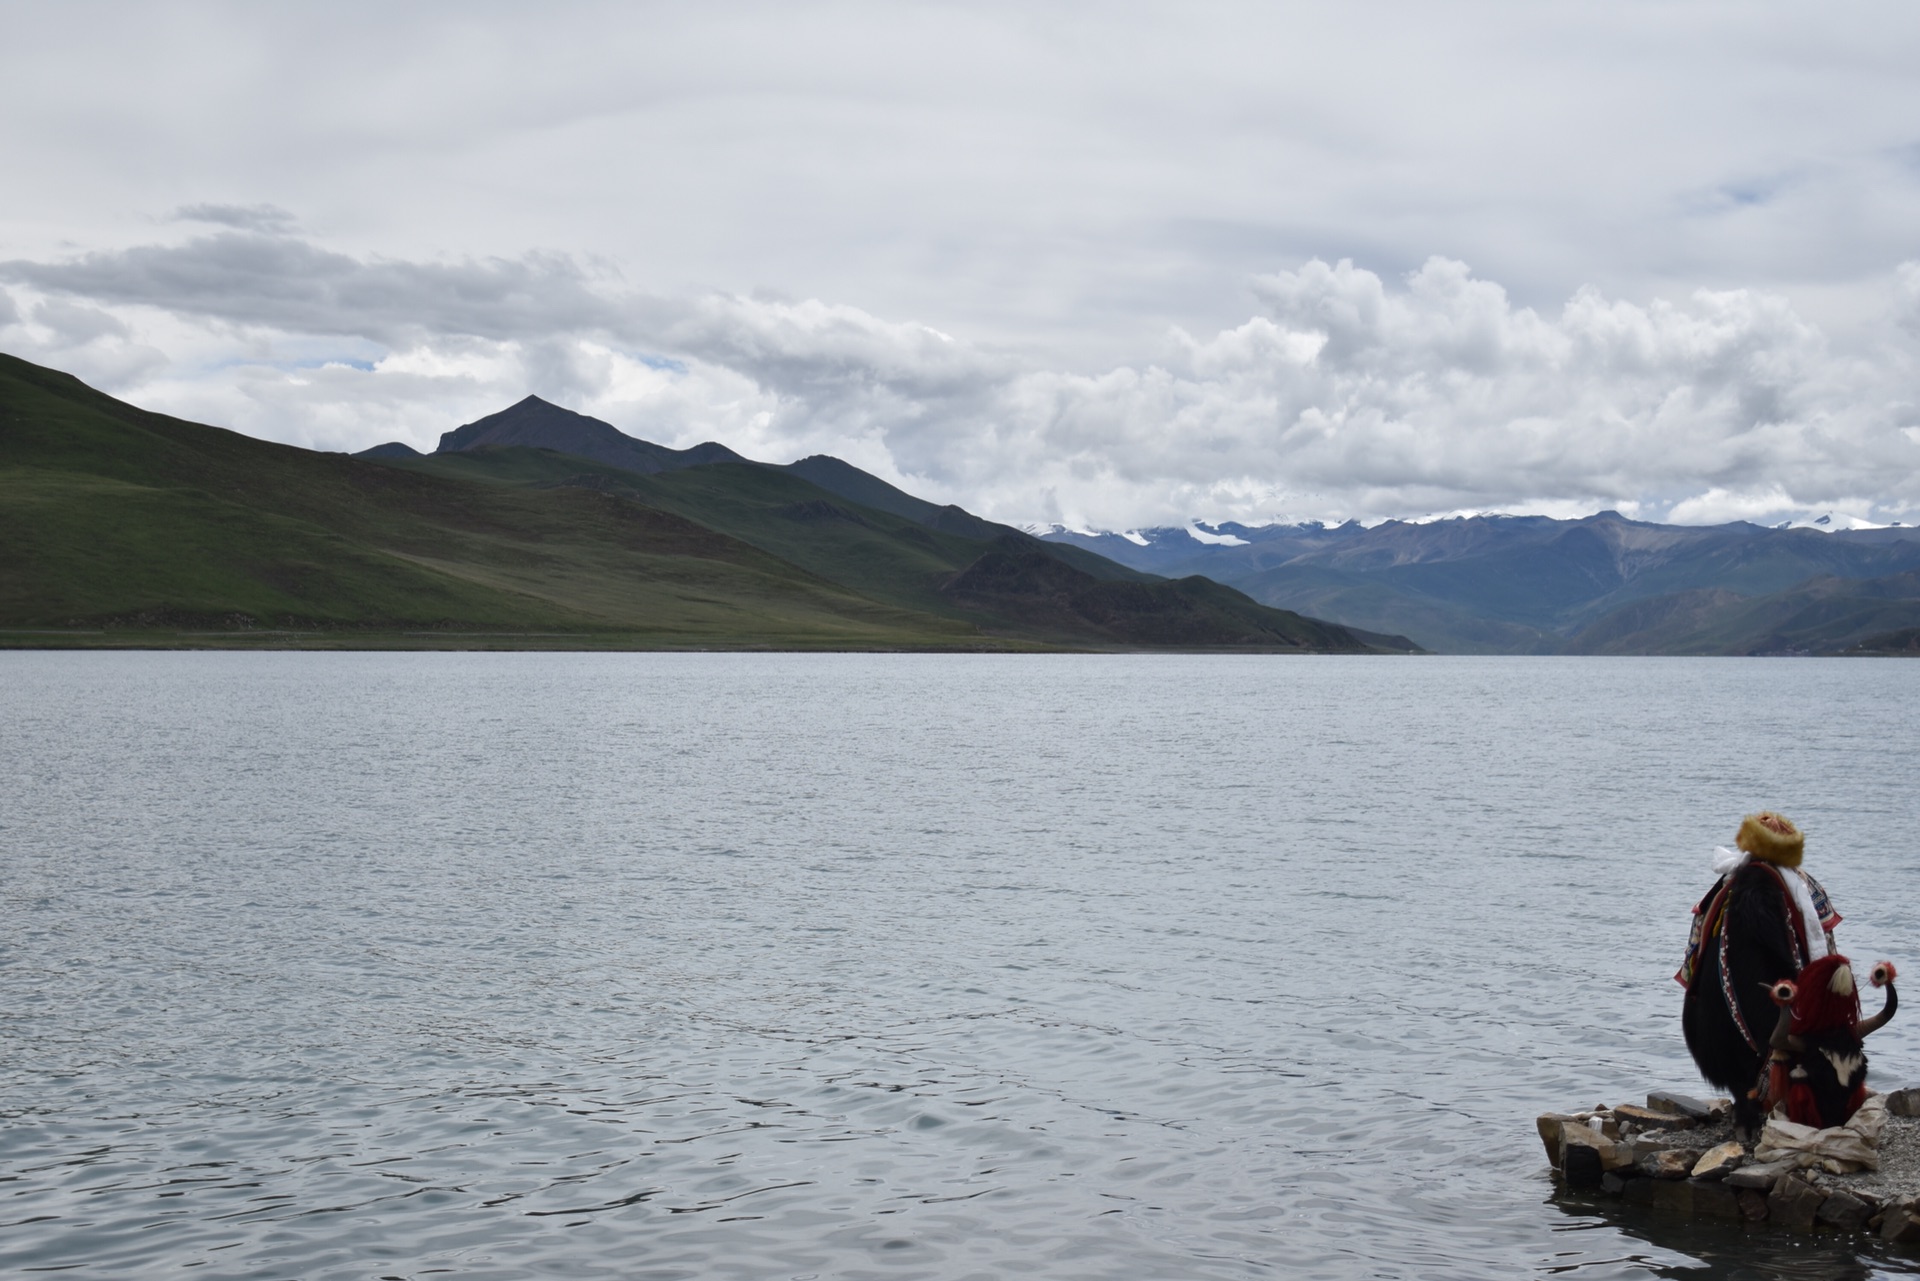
column 859, row 966
column 1718, row 1250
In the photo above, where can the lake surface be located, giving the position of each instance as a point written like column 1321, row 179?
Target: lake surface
column 845, row 966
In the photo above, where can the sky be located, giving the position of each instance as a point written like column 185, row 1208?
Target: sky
column 1108, row 265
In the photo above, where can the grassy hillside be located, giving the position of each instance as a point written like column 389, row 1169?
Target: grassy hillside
column 899, row 560
column 126, row 527
column 1039, row 594
column 1820, row 616
column 127, row 522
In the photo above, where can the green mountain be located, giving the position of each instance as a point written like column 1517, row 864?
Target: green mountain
column 121, row 526
column 1077, row 598
column 849, row 481
column 538, row 424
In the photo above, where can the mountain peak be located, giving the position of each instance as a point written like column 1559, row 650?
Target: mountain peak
column 533, row 423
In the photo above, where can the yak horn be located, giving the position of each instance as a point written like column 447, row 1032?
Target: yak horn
column 1866, row 1027
column 1783, row 993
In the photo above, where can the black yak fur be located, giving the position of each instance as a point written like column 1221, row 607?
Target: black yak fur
column 1760, row 951
column 1833, row 1068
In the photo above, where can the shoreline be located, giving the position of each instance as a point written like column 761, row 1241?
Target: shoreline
column 1679, row 1155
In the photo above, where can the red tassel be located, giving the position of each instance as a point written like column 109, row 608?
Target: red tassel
column 1801, row 1109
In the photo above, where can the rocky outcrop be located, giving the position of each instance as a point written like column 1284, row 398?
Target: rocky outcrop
column 1678, row 1156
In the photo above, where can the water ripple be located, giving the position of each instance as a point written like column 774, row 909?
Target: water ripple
column 672, row 966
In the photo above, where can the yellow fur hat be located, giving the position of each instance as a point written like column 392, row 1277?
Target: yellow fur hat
column 1771, row 838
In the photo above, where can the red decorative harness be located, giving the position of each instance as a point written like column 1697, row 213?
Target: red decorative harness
column 1709, row 926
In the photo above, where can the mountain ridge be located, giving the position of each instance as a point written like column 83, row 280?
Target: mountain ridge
column 542, row 424
column 534, row 423
column 127, row 527
column 1530, row 584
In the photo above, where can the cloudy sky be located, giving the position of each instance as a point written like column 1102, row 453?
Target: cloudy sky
column 1110, row 264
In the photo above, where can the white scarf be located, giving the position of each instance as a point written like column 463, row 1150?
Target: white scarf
column 1726, row 861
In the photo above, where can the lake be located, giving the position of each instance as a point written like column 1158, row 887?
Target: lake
column 870, row 966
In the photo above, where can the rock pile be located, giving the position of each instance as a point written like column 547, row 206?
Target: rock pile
column 1678, row 1155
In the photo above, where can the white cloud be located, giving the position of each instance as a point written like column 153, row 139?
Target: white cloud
column 266, row 218
column 1352, row 395
column 1066, row 180
column 1718, row 506
column 1441, row 394
column 1020, row 257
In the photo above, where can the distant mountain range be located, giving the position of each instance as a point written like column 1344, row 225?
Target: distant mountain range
column 1534, row 585
column 537, row 527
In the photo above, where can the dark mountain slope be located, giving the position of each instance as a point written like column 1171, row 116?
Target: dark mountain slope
column 534, row 423
column 1822, row 615
column 112, row 516
column 868, row 490
column 891, row 557
column 538, row 424
column 848, row 481
column 1375, row 602
column 899, row 561
column 1904, row 643
column 392, row 449
column 1032, row 590
column 1656, row 623
column 1510, row 584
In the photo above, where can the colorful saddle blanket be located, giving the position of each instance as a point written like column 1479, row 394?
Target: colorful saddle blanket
column 1708, row 911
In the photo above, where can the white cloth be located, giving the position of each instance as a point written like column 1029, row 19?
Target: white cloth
column 1726, row 861
column 1841, row 1150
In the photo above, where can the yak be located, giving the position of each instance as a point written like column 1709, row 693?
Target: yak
column 1762, row 922
column 1763, row 936
column 1819, row 1061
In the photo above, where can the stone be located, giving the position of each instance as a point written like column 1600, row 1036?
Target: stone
column 1715, row 1200
column 1760, row 1178
column 1901, row 1225
column 1613, row 1184
column 1673, row 1197
column 1580, row 1166
column 1719, row 1162
column 1673, row 1163
column 1847, row 1213
column 1645, row 1145
column 1753, row 1205
column 1904, row 1102
column 1680, row 1105
column 1549, row 1123
column 1793, row 1203
column 1652, row 1119
column 1609, row 1154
